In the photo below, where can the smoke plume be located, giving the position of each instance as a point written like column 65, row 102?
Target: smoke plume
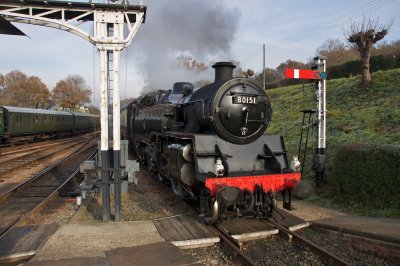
column 199, row 29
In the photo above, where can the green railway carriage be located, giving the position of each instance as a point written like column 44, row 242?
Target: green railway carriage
column 1, row 122
column 26, row 124
column 23, row 122
column 85, row 121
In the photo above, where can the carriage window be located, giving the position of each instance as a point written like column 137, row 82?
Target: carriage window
column 36, row 118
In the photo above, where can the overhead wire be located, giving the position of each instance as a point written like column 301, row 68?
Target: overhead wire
column 326, row 25
column 332, row 23
column 339, row 23
column 335, row 19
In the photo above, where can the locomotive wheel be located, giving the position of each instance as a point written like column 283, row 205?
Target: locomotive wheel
column 270, row 203
column 249, row 198
column 150, row 164
column 214, row 212
column 163, row 173
column 178, row 190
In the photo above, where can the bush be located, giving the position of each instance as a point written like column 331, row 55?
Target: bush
column 368, row 174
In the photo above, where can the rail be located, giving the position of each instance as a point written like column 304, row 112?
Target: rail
column 332, row 258
column 21, row 218
column 232, row 244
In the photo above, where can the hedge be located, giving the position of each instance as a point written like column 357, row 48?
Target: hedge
column 368, row 174
column 353, row 68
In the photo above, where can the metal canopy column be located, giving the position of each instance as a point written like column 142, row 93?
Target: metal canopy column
column 114, row 25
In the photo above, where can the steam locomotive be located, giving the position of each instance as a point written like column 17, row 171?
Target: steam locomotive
column 210, row 144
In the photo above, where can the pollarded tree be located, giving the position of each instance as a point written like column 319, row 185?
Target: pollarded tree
column 363, row 35
column 71, row 92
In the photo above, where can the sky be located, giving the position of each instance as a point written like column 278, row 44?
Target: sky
column 207, row 30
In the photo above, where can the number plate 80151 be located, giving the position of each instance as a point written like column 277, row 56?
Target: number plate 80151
column 244, row 99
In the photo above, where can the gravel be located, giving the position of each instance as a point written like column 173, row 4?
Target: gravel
column 151, row 199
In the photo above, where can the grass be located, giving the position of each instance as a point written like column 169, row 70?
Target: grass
column 354, row 115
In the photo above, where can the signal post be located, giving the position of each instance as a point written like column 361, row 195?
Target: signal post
column 318, row 74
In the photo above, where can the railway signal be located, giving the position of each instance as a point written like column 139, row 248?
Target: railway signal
column 305, row 74
column 317, row 74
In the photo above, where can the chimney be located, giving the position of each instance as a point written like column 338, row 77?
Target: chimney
column 223, row 70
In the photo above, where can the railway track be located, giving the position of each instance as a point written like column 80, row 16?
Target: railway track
column 20, row 203
column 26, row 159
column 329, row 257
column 10, row 152
column 232, row 247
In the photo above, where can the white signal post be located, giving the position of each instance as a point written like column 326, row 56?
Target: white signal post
column 319, row 156
column 114, row 26
column 318, row 74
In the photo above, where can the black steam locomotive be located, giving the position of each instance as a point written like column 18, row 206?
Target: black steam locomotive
column 210, row 144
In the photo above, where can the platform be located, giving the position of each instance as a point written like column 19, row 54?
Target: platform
column 251, row 229
column 159, row 253
column 186, row 231
column 383, row 229
column 90, row 240
column 248, row 229
column 25, row 241
column 189, row 231
column 289, row 221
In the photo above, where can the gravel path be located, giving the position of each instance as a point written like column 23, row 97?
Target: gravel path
column 150, row 199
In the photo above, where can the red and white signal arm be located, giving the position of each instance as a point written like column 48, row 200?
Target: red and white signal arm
column 292, row 73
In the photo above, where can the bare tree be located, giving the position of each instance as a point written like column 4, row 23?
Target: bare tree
column 189, row 63
column 336, row 52
column 363, row 35
column 2, row 83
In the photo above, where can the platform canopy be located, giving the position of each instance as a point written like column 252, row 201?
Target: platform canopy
column 43, row 13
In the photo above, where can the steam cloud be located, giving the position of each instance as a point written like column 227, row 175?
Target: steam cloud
column 202, row 29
